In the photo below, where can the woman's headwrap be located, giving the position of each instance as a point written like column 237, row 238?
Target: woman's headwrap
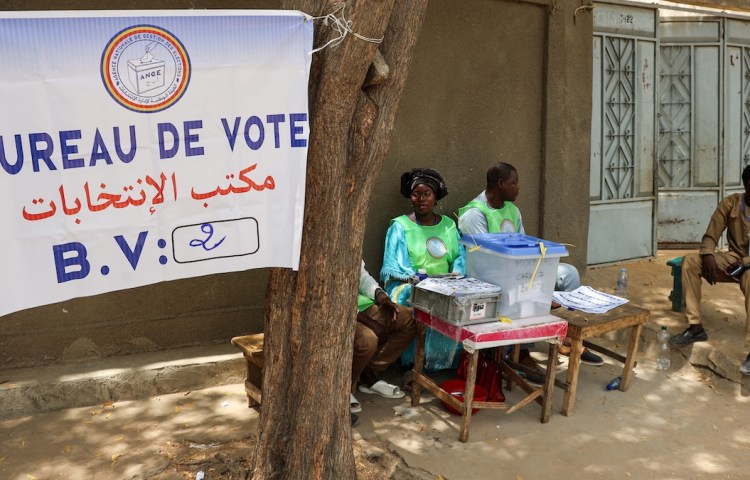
column 426, row 176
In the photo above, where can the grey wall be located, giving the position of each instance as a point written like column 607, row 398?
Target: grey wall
column 473, row 97
column 479, row 92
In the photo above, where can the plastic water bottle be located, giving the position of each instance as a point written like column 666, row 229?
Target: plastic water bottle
column 621, row 288
column 663, row 359
column 615, row 383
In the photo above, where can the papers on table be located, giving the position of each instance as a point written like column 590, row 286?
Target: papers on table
column 588, row 300
column 457, row 286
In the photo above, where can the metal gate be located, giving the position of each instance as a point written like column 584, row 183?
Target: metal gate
column 693, row 159
column 622, row 206
column 704, row 120
column 689, row 122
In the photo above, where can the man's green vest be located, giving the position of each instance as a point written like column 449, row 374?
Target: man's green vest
column 364, row 302
column 432, row 248
column 498, row 219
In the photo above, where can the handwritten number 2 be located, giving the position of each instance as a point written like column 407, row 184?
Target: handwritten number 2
column 208, row 229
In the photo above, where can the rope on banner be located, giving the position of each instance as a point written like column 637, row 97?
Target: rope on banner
column 342, row 26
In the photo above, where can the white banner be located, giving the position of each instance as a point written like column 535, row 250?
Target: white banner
column 139, row 149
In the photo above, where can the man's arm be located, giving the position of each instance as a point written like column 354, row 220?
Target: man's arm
column 716, row 227
column 472, row 222
column 368, row 286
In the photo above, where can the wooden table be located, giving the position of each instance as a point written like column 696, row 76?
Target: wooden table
column 252, row 349
column 486, row 335
column 583, row 325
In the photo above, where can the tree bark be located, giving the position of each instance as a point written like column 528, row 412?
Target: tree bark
column 304, row 428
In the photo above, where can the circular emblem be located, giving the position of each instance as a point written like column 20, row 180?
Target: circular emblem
column 507, row 227
column 436, row 247
column 145, row 68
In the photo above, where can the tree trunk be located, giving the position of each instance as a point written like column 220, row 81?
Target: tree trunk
column 304, row 429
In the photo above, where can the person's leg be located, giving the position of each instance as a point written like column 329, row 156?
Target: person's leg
column 745, row 286
column 365, row 346
column 692, row 276
column 402, row 331
column 568, row 278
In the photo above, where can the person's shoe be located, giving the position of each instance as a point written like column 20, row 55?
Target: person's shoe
column 354, row 405
column 745, row 367
column 355, row 420
column 591, row 358
column 586, row 357
column 687, row 337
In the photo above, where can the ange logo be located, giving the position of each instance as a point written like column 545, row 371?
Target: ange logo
column 145, row 68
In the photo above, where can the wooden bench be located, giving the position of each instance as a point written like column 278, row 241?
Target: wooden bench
column 252, row 348
column 583, row 325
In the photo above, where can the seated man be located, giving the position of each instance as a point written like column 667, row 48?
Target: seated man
column 384, row 330
column 732, row 215
column 493, row 211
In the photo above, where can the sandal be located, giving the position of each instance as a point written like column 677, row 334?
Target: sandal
column 354, row 404
column 383, row 389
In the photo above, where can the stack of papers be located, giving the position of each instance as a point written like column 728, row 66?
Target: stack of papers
column 458, row 286
column 586, row 299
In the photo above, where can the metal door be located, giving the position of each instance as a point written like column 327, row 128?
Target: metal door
column 704, row 120
column 736, row 103
column 622, row 206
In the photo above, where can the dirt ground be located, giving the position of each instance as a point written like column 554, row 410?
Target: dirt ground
column 690, row 422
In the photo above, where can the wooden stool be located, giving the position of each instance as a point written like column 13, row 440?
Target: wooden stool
column 583, row 325
column 252, row 349
column 676, row 294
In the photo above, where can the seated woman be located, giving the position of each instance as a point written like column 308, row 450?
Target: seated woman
column 422, row 240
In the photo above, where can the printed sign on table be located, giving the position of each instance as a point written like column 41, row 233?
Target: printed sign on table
column 139, row 149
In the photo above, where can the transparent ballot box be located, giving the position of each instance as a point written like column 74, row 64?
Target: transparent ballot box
column 524, row 267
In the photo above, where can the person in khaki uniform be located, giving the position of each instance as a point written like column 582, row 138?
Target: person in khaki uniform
column 732, row 215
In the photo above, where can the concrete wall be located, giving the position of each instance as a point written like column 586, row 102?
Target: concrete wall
column 479, row 92
column 473, row 97
column 491, row 81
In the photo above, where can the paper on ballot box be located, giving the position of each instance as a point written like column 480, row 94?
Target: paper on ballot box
column 460, row 301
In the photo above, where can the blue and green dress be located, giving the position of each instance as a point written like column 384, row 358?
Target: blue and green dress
column 410, row 247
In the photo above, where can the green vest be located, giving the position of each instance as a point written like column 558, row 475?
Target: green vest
column 364, row 302
column 431, row 247
column 498, row 219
